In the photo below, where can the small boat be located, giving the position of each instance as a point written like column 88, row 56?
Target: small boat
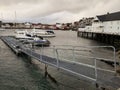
column 22, row 34
column 28, row 38
column 43, row 33
column 40, row 42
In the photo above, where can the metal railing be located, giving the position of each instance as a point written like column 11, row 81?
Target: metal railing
column 55, row 50
column 94, row 58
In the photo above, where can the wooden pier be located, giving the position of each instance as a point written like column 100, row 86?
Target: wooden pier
column 111, row 39
column 92, row 73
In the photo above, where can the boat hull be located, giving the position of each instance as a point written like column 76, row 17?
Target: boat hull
column 44, row 36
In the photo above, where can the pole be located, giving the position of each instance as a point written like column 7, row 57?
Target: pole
column 15, row 19
column 95, row 69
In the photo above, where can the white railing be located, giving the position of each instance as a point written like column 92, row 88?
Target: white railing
column 77, row 52
column 68, row 57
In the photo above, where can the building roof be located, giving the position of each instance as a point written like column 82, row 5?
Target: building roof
column 109, row 17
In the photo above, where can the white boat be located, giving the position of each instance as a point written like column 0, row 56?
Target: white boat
column 43, row 33
column 40, row 42
column 36, row 41
column 22, row 34
column 26, row 37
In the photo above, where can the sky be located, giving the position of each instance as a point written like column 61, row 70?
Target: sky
column 52, row 11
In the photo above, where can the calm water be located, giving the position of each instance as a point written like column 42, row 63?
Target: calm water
column 17, row 74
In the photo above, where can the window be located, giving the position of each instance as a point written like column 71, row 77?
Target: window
column 101, row 26
column 96, row 21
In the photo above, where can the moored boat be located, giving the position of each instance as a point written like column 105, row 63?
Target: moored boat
column 28, row 38
column 43, row 33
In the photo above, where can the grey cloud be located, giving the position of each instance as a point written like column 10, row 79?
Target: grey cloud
column 73, row 6
column 14, row 2
column 42, row 8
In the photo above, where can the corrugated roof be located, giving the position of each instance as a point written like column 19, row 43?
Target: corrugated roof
column 109, row 17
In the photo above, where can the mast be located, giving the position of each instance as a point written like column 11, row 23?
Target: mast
column 15, row 19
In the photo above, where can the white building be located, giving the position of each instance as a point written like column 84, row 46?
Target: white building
column 108, row 23
column 27, row 25
column 86, row 29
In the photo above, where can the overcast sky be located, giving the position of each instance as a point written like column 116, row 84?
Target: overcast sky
column 51, row 11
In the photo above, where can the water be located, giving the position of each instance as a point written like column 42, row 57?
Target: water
column 17, row 74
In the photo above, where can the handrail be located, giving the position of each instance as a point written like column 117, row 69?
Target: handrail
column 86, row 49
column 86, row 56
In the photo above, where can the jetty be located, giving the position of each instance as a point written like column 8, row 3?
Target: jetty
column 101, row 77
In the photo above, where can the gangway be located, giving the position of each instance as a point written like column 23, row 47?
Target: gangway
column 90, row 71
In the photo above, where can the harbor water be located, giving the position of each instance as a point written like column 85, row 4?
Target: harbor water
column 16, row 73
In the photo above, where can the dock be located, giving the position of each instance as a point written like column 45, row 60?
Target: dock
column 112, row 39
column 101, row 77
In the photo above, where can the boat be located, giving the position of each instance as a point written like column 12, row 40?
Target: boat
column 28, row 38
column 22, row 34
column 40, row 42
column 43, row 33
column 36, row 41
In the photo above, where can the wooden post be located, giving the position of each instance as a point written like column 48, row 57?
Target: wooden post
column 46, row 73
